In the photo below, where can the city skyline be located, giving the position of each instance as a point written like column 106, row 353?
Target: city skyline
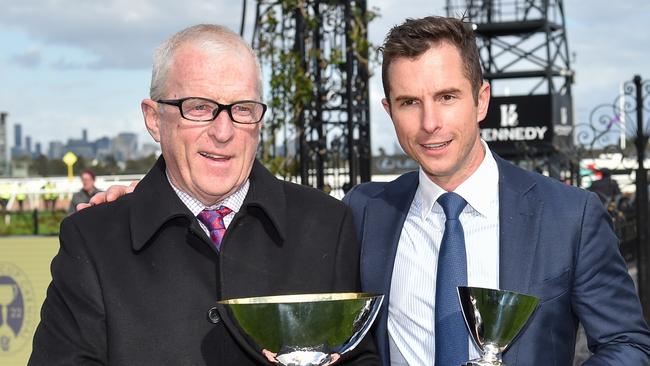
column 88, row 65
column 122, row 146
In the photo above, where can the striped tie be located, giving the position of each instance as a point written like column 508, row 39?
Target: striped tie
column 213, row 220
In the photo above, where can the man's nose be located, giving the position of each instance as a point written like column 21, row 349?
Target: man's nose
column 222, row 127
column 431, row 120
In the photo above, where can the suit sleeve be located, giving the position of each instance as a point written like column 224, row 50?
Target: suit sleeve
column 604, row 297
column 72, row 330
column 347, row 278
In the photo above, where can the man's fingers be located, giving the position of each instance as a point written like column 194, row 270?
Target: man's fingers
column 333, row 358
column 115, row 192
column 270, row 355
column 112, row 193
column 99, row 197
column 132, row 186
column 81, row 206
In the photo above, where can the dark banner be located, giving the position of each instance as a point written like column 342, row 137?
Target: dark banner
column 529, row 122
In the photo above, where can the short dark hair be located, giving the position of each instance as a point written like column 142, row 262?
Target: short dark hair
column 89, row 172
column 414, row 37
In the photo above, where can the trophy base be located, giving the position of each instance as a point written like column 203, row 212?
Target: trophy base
column 480, row 362
column 303, row 358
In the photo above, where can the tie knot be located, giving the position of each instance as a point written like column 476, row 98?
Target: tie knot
column 213, row 219
column 453, row 204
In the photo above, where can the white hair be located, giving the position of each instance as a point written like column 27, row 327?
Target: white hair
column 211, row 37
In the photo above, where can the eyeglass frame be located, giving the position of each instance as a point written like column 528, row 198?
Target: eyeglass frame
column 220, row 107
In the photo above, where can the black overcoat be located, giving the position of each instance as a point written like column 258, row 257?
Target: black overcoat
column 134, row 279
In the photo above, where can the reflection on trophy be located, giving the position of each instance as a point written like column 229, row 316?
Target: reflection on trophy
column 494, row 318
column 304, row 330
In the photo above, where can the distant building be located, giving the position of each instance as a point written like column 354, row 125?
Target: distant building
column 28, row 145
column 38, row 151
column 81, row 148
column 149, row 149
column 18, row 135
column 56, row 150
column 125, row 146
column 4, row 166
column 20, row 168
column 103, row 148
column 84, row 135
column 18, row 151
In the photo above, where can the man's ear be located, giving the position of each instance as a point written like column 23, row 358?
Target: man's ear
column 483, row 101
column 386, row 103
column 151, row 117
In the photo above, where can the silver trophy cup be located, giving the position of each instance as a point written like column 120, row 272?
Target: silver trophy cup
column 304, row 330
column 494, row 318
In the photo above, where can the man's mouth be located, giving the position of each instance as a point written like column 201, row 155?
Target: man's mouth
column 439, row 145
column 213, row 156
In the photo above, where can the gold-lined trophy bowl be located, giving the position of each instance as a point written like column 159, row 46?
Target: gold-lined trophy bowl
column 306, row 329
column 494, row 319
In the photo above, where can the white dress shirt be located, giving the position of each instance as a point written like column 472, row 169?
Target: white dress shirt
column 233, row 202
column 411, row 308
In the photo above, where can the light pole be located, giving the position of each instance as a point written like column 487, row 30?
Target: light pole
column 643, row 251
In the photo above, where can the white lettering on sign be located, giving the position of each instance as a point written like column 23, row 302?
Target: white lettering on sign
column 509, row 115
column 514, row 134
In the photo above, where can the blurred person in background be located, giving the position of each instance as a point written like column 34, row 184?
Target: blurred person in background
column 21, row 196
column 87, row 191
column 50, row 195
column 606, row 187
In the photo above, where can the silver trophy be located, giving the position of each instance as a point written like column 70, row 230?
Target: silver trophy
column 494, row 318
column 304, row 330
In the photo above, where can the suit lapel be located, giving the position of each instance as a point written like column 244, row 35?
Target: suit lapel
column 382, row 226
column 384, row 218
column 519, row 225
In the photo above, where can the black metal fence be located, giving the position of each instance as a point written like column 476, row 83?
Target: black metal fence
column 605, row 135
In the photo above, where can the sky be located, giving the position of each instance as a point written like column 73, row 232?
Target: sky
column 66, row 65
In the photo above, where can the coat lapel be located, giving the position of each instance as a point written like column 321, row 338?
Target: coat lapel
column 519, row 225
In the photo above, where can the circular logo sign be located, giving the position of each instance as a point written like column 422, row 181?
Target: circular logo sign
column 17, row 309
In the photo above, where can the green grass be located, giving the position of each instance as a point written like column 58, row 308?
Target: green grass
column 23, row 223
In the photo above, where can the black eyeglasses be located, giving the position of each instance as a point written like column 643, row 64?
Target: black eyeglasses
column 205, row 110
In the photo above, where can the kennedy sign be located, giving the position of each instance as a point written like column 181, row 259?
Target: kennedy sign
column 530, row 120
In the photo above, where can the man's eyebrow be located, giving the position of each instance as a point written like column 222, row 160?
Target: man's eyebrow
column 448, row 91
column 405, row 97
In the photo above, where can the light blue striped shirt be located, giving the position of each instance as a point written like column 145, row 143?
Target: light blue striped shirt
column 411, row 308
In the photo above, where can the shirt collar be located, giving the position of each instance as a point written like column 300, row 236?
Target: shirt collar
column 479, row 190
column 154, row 203
column 233, row 201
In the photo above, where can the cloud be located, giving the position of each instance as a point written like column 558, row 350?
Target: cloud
column 31, row 58
column 120, row 34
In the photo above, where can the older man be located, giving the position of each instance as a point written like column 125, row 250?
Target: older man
column 135, row 279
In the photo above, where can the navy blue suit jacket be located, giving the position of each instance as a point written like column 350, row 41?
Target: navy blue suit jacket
column 555, row 242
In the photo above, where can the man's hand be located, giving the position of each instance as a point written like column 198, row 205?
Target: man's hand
column 112, row 193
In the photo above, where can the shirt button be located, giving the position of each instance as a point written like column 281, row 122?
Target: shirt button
column 213, row 315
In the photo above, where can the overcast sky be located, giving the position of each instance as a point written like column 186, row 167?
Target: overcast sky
column 67, row 65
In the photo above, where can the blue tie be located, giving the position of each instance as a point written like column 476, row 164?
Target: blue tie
column 451, row 332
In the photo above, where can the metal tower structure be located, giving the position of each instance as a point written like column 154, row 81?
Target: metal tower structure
column 525, row 57
column 316, row 53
